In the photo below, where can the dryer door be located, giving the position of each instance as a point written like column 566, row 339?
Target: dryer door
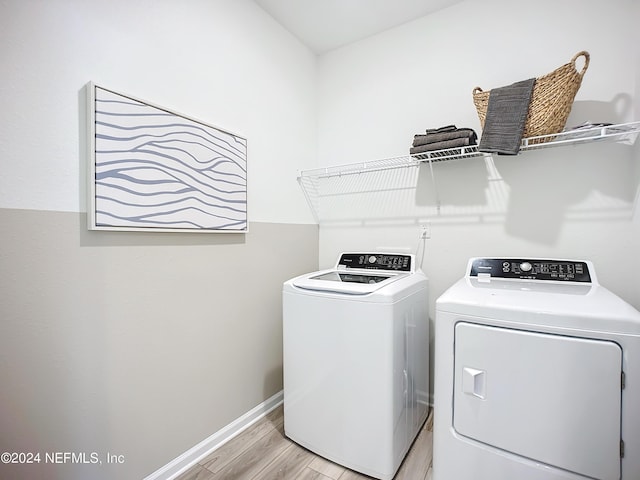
column 550, row 398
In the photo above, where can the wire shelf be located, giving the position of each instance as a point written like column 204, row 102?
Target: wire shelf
column 309, row 179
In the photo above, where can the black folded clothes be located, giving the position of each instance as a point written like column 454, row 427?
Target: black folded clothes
column 443, row 138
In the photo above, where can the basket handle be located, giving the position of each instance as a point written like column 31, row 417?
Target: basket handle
column 477, row 90
column 586, row 61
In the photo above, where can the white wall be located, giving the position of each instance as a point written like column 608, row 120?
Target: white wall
column 578, row 202
column 142, row 344
column 224, row 62
column 575, row 202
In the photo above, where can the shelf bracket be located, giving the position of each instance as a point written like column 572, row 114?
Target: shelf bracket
column 435, row 186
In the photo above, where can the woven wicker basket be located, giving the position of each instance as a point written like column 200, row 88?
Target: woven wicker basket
column 551, row 99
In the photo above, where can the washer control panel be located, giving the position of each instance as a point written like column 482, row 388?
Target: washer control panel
column 531, row 269
column 377, row 261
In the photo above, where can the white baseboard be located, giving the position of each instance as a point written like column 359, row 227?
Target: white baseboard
column 192, row 456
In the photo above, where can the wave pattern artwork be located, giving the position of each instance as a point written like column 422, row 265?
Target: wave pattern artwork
column 155, row 169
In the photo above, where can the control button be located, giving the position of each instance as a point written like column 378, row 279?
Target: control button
column 525, row 267
column 372, row 259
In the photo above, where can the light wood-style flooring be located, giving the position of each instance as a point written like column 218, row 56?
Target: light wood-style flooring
column 262, row 452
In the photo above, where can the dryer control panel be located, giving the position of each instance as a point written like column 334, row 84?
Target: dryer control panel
column 377, row 261
column 531, row 269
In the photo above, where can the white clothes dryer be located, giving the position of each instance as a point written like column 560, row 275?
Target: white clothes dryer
column 537, row 375
column 356, row 360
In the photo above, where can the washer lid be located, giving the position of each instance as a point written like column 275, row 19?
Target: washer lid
column 349, row 282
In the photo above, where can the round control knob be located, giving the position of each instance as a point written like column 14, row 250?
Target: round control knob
column 525, row 267
column 372, row 259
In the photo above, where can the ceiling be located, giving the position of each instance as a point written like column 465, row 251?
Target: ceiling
column 323, row 25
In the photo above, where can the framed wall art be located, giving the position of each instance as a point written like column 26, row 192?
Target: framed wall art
column 151, row 169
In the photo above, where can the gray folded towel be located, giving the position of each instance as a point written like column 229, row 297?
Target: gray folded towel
column 429, row 147
column 446, row 128
column 506, row 116
column 440, row 137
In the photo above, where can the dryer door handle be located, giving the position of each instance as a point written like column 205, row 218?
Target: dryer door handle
column 474, row 382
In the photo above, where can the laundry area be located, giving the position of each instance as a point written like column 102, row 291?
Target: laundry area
column 295, row 239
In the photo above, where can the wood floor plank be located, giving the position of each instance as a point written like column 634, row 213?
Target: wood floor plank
column 326, row 468
column 196, row 473
column 351, row 475
column 276, row 418
column 289, row 465
column 227, row 453
column 247, row 465
column 311, row 474
column 262, row 452
column 429, row 423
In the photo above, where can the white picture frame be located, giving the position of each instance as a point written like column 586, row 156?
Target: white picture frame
column 151, row 169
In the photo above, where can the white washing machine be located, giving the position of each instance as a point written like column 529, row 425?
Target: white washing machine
column 356, row 360
column 537, row 375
